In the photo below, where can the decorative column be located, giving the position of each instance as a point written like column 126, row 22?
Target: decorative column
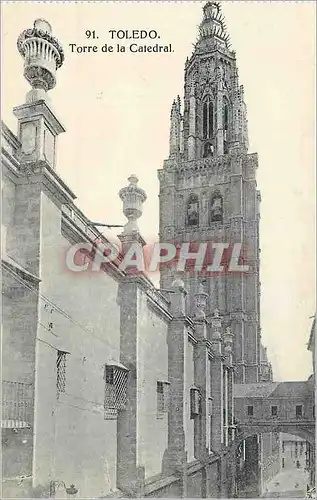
column 228, row 342
column 230, row 433
column 133, row 198
column 217, row 392
column 217, row 384
column 175, row 458
column 38, row 126
column 202, row 381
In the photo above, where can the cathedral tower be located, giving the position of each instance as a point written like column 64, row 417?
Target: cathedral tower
column 208, row 190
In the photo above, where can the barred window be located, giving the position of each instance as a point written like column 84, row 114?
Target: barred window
column 61, row 372
column 162, row 391
column 116, row 379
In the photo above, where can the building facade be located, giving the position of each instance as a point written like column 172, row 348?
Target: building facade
column 110, row 387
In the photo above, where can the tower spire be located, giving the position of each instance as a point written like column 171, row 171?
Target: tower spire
column 213, row 25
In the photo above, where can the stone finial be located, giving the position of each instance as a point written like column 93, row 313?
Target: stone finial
column 228, row 341
column 216, row 325
column 43, row 55
column 133, row 198
column 178, row 283
column 178, row 305
column 200, row 299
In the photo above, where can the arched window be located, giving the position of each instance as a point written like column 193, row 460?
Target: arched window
column 208, row 118
column 216, row 208
column 192, row 213
column 225, row 115
column 225, row 120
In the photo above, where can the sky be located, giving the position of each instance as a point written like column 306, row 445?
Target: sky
column 116, row 107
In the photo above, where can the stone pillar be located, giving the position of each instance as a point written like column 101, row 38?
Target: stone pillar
column 200, row 364
column 128, row 476
column 217, row 385
column 175, row 458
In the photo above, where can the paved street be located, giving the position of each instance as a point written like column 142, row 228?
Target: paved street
column 289, row 483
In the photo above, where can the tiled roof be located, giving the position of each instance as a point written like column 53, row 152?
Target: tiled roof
column 291, row 389
column 260, row 390
column 273, row 390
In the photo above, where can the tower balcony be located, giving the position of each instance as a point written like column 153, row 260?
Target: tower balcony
column 17, row 405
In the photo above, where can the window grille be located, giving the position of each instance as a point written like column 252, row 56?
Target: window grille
column 195, row 402
column 116, row 379
column 61, row 372
column 16, row 404
column 162, row 391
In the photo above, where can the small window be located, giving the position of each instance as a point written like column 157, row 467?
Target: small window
column 115, row 398
column 109, row 377
column 283, row 447
column 61, row 372
column 162, row 392
column 274, row 411
column 195, row 402
column 250, row 411
column 299, row 411
column 210, row 400
column 314, row 411
column 208, row 150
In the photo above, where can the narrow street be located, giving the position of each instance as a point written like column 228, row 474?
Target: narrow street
column 289, row 483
